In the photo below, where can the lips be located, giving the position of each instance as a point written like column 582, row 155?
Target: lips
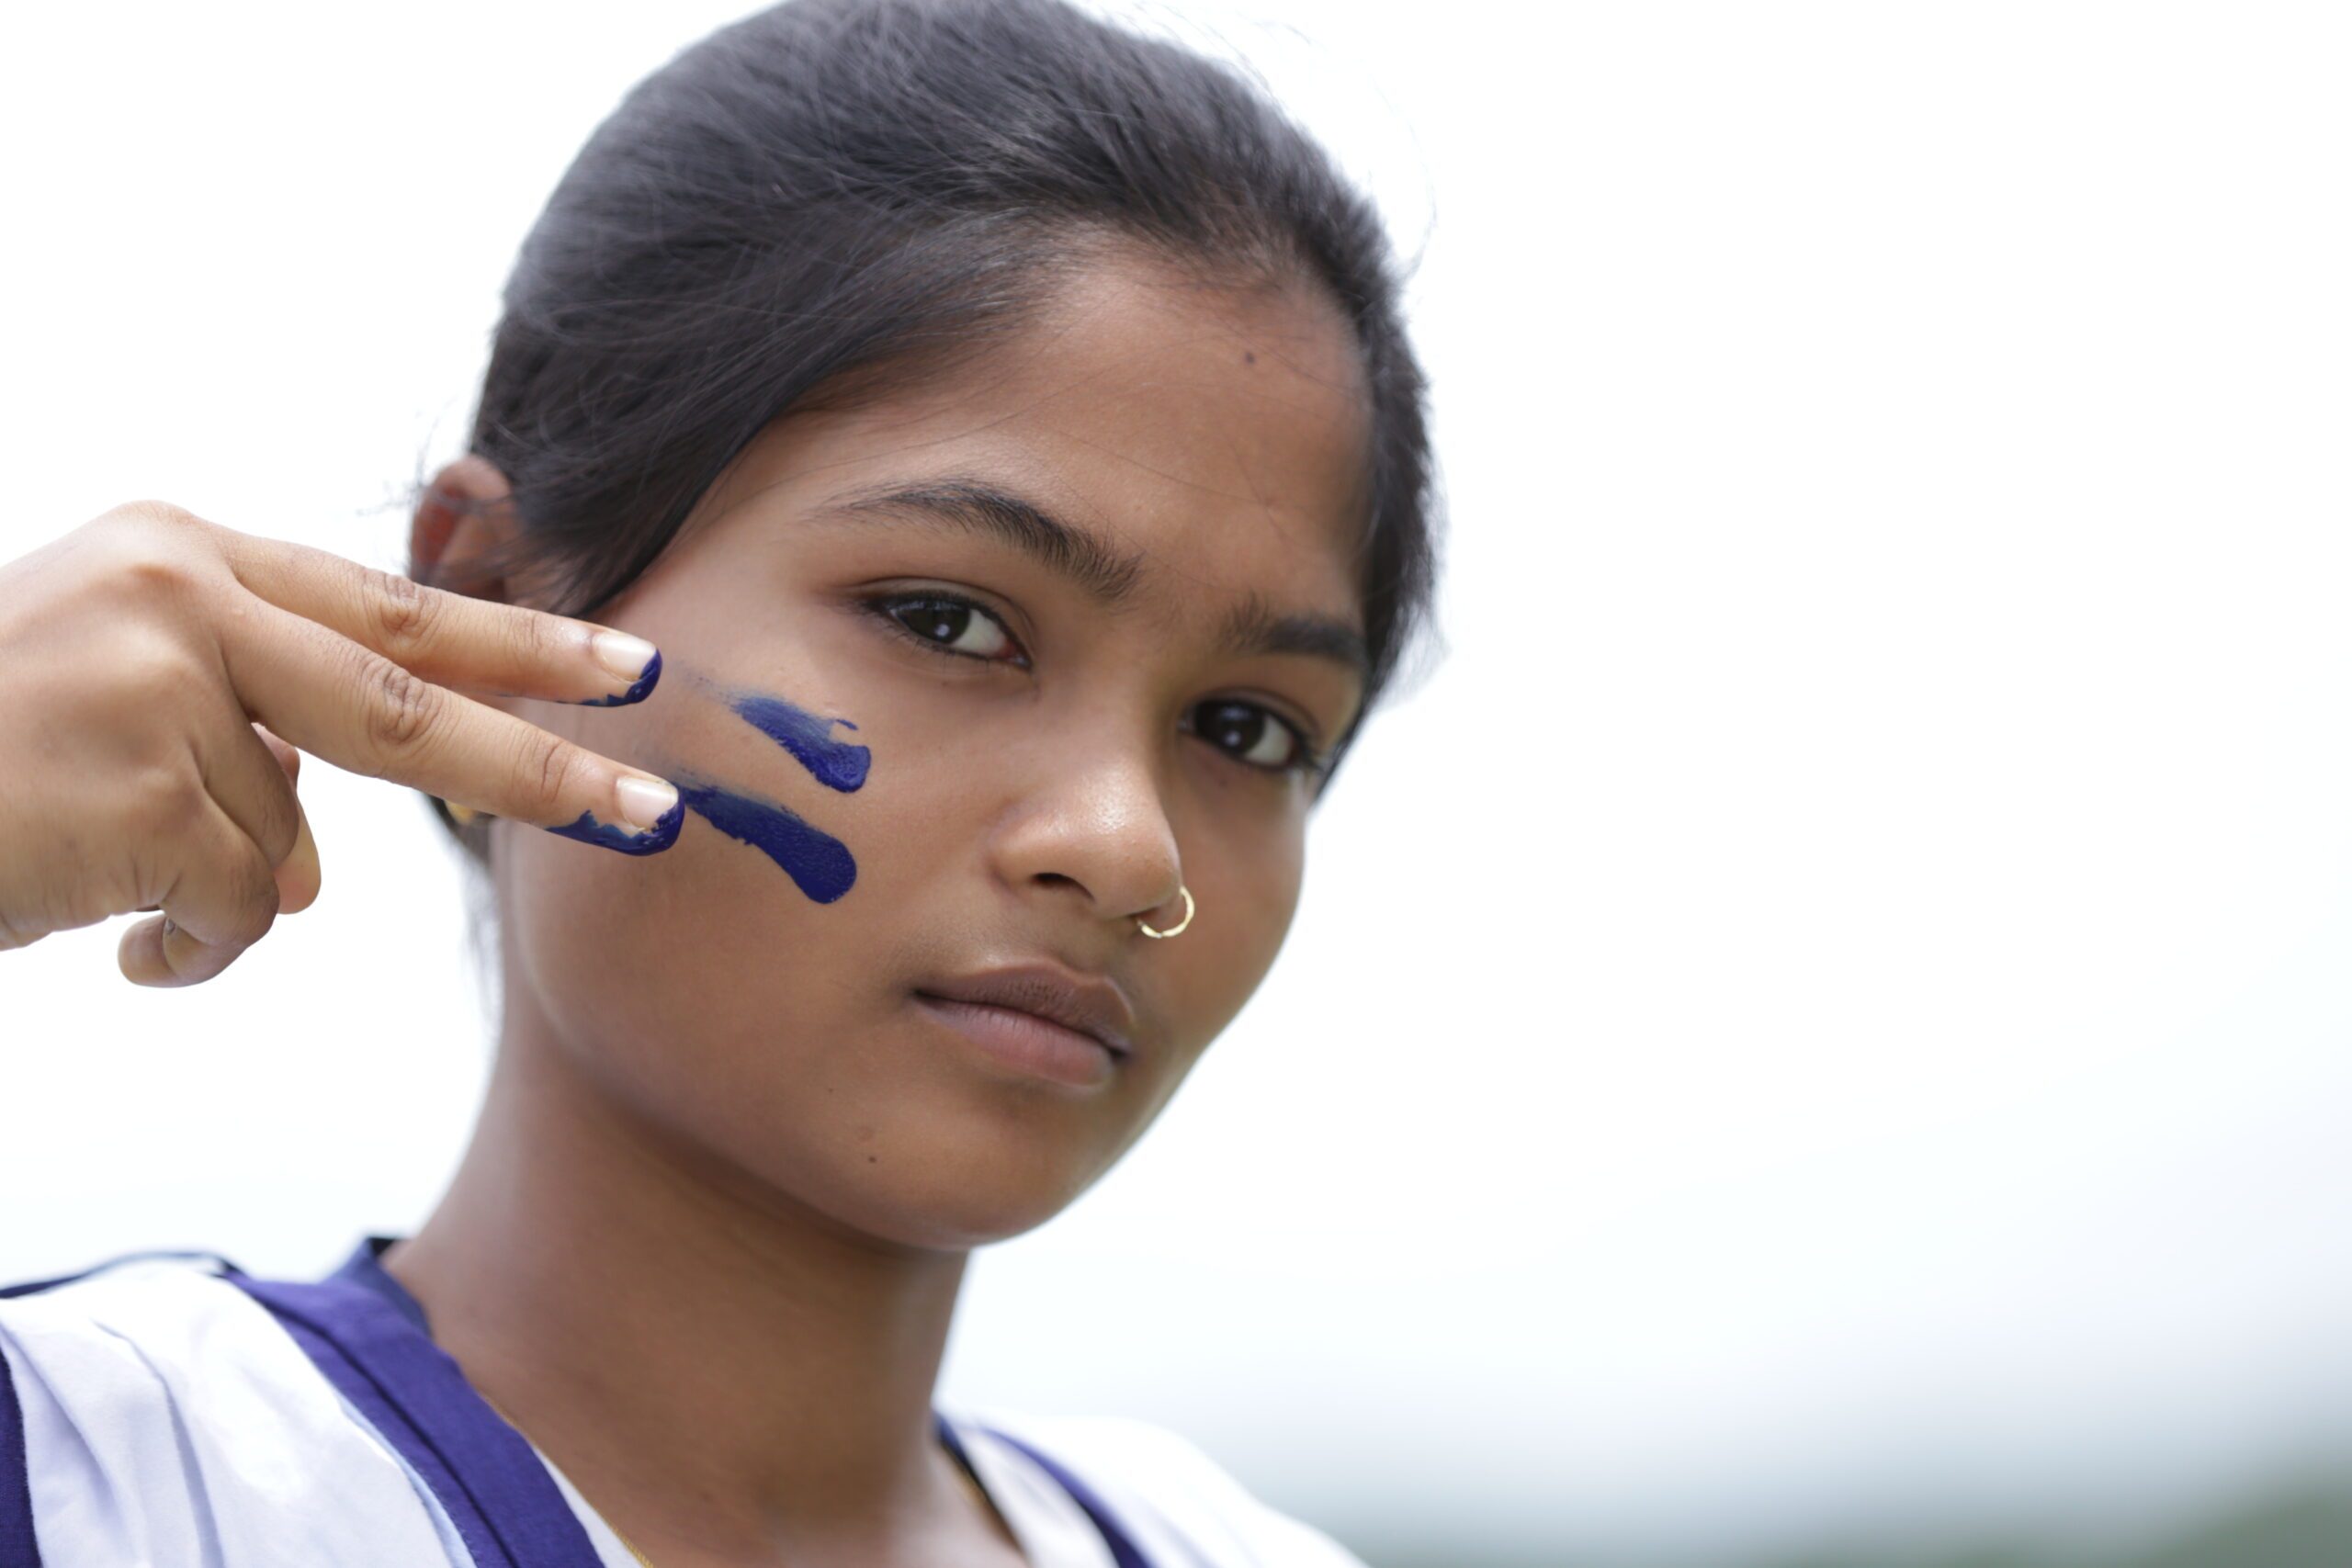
column 1093, row 1006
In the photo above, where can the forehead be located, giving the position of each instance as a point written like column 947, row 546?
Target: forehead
column 1218, row 430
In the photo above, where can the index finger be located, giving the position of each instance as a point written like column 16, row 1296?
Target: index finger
column 451, row 639
column 359, row 710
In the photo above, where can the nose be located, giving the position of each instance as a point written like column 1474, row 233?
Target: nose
column 1094, row 827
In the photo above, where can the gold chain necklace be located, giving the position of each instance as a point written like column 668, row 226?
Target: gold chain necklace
column 970, row 1485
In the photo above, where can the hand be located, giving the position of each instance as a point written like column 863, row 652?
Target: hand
column 159, row 672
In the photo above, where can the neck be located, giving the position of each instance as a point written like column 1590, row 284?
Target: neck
column 709, row 1361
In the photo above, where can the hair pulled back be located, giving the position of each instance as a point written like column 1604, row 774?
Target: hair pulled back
column 829, row 193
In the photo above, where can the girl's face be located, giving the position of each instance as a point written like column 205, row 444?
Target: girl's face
column 1012, row 586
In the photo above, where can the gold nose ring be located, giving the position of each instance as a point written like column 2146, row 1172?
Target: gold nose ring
column 1179, row 925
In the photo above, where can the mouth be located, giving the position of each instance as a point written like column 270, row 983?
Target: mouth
column 1027, row 1042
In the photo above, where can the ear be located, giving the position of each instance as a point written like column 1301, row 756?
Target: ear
column 462, row 518
column 465, row 515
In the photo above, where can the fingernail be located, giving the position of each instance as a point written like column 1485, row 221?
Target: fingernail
column 631, row 658
column 638, row 690
column 640, row 799
column 624, row 655
column 645, row 801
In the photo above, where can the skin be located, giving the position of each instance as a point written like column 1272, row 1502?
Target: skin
column 706, row 1241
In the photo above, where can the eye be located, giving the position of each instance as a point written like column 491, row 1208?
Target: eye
column 1257, row 736
column 1251, row 734
column 941, row 622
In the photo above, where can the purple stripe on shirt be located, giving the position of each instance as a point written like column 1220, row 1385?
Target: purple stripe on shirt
column 1123, row 1551
column 369, row 1337
column 481, row 1543
column 364, row 1268
column 17, row 1547
column 475, row 1463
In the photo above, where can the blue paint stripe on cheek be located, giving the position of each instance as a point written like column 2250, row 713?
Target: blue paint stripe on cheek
column 817, row 861
column 836, row 764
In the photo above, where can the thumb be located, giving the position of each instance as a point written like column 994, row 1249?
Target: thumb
column 298, row 875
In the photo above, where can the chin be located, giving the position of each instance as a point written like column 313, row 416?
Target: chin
column 944, row 1207
column 888, row 1130
column 925, row 1174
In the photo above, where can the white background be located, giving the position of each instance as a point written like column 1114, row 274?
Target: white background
column 1825, row 1010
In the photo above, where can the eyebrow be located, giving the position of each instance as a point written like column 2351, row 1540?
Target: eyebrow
column 1097, row 566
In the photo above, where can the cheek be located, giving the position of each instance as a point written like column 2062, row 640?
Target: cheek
column 666, row 959
column 1261, row 911
column 718, row 966
column 1246, row 890
column 747, row 987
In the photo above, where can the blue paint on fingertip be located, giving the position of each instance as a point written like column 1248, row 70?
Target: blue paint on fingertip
column 637, row 693
column 660, row 836
column 819, row 862
column 836, row 764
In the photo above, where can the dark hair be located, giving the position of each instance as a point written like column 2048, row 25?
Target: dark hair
column 823, row 195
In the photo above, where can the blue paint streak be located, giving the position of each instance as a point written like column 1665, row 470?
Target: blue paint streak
column 836, row 764
column 635, row 694
column 819, row 863
column 660, row 836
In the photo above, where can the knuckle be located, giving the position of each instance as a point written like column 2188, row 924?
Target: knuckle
column 150, row 509
column 404, row 614
column 537, row 640
column 400, row 711
column 163, row 817
column 551, row 764
column 152, row 570
column 22, row 927
column 156, row 531
column 140, row 568
column 168, row 804
column 257, row 907
column 246, row 916
column 162, row 677
column 280, row 819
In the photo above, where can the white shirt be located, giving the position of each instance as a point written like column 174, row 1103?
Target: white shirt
column 167, row 1416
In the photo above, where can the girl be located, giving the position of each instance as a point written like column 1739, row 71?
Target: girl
column 966, row 458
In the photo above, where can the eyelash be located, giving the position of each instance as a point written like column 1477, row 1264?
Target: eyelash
column 1309, row 763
